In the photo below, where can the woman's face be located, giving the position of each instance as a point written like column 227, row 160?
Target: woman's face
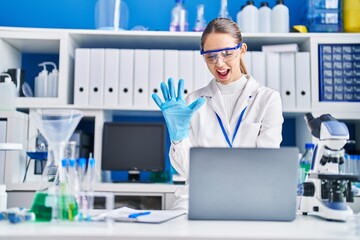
column 224, row 69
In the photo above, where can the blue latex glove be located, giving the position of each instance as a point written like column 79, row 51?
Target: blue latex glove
column 177, row 115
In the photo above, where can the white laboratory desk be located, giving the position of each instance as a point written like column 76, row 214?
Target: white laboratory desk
column 304, row 227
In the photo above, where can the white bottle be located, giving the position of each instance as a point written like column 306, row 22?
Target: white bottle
column 239, row 18
column 179, row 21
column 46, row 84
column 250, row 18
column 265, row 18
column 3, row 198
column 53, row 79
column 41, row 81
column 7, row 93
column 280, row 18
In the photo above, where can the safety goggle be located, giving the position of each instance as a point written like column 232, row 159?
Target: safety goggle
column 226, row 54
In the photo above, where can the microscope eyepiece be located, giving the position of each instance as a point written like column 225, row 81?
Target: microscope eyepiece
column 308, row 117
column 314, row 124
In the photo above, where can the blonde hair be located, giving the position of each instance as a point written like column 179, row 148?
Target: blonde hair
column 224, row 25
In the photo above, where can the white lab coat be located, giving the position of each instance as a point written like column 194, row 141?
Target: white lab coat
column 261, row 125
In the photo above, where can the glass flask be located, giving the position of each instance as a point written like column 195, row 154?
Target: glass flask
column 51, row 201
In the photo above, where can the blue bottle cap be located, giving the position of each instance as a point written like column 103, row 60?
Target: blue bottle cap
column 91, row 162
column 63, row 163
column 82, row 162
column 72, row 162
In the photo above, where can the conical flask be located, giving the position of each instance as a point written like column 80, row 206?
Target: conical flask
column 57, row 126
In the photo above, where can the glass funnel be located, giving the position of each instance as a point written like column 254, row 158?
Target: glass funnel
column 57, row 126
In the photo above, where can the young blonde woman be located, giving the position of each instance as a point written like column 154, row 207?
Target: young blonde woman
column 233, row 110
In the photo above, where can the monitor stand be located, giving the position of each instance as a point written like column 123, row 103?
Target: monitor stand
column 134, row 176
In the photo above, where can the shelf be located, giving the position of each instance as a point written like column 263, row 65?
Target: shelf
column 137, row 187
column 162, row 39
column 10, row 146
column 33, row 42
column 38, row 102
column 165, row 39
column 348, row 111
column 47, row 103
column 136, row 39
column 150, row 110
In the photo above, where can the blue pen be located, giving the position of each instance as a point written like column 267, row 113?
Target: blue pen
column 135, row 215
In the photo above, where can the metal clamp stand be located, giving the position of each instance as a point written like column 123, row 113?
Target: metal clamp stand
column 38, row 156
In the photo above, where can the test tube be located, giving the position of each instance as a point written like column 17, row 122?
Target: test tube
column 90, row 179
column 87, row 211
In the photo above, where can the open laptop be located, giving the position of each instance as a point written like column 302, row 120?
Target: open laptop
column 243, row 184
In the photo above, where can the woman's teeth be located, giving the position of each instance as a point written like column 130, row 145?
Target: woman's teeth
column 222, row 72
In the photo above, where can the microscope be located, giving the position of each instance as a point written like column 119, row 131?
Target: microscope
column 326, row 188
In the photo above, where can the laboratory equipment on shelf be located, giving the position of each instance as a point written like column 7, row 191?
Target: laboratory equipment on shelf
column 324, row 15
column 326, row 189
column 111, row 15
column 17, row 76
column 179, row 22
column 224, row 13
column 200, row 23
column 57, row 126
column 7, row 93
column 250, row 18
column 239, row 20
column 46, row 84
column 264, row 17
column 280, row 18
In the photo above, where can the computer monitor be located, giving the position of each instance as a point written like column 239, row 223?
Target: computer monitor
column 133, row 147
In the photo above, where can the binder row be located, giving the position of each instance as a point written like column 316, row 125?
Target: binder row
column 128, row 77
column 339, row 72
column 286, row 72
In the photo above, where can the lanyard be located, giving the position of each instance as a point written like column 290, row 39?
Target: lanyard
column 236, row 128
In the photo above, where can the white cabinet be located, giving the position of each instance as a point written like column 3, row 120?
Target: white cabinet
column 15, row 42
